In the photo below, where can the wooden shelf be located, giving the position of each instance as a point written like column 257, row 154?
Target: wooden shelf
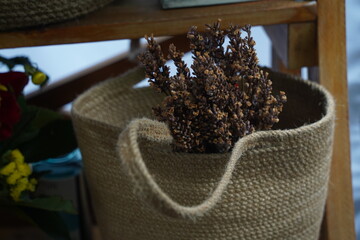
column 134, row 18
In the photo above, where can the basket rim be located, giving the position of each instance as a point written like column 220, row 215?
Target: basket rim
column 273, row 134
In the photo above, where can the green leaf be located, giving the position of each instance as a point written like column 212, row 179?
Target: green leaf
column 4, row 201
column 49, row 221
column 43, row 116
column 53, row 203
column 55, row 139
column 4, row 194
column 13, row 210
column 23, row 137
column 22, row 103
column 21, row 132
column 32, row 120
column 4, row 191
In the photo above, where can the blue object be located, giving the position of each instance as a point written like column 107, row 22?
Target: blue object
column 62, row 167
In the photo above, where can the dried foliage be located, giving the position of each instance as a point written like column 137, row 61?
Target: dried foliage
column 226, row 97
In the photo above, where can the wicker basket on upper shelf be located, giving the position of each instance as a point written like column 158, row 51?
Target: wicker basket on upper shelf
column 15, row 14
column 166, row 4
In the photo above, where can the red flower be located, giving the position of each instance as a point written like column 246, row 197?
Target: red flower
column 13, row 84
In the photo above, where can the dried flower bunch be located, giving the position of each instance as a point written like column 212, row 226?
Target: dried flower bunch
column 226, row 97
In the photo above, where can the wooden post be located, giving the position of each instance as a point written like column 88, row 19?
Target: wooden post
column 295, row 43
column 278, row 64
column 339, row 219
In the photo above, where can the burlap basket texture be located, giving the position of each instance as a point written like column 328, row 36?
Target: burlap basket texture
column 16, row 14
column 272, row 185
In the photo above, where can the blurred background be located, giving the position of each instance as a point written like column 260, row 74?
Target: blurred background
column 353, row 57
column 62, row 61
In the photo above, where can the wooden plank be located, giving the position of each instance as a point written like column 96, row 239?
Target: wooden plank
column 339, row 220
column 278, row 65
column 62, row 92
column 134, row 18
column 278, row 35
column 295, row 43
column 302, row 43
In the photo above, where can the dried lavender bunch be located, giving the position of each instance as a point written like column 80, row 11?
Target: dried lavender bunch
column 226, row 97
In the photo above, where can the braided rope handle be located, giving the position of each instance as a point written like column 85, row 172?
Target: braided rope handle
column 144, row 184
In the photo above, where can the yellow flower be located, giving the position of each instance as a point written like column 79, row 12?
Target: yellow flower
column 31, row 185
column 38, row 77
column 15, row 194
column 21, row 185
column 17, row 168
column 11, row 180
column 3, row 88
column 17, row 156
column 33, row 181
column 24, row 169
column 8, row 169
column 18, row 172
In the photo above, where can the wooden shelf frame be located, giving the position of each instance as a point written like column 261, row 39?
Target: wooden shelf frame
column 134, row 18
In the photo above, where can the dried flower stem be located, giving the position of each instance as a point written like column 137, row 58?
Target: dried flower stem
column 227, row 97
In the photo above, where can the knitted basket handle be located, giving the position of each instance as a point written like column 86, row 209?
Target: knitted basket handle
column 145, row 185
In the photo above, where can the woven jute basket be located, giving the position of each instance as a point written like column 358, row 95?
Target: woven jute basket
column 272, row 185
column 15, row 14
